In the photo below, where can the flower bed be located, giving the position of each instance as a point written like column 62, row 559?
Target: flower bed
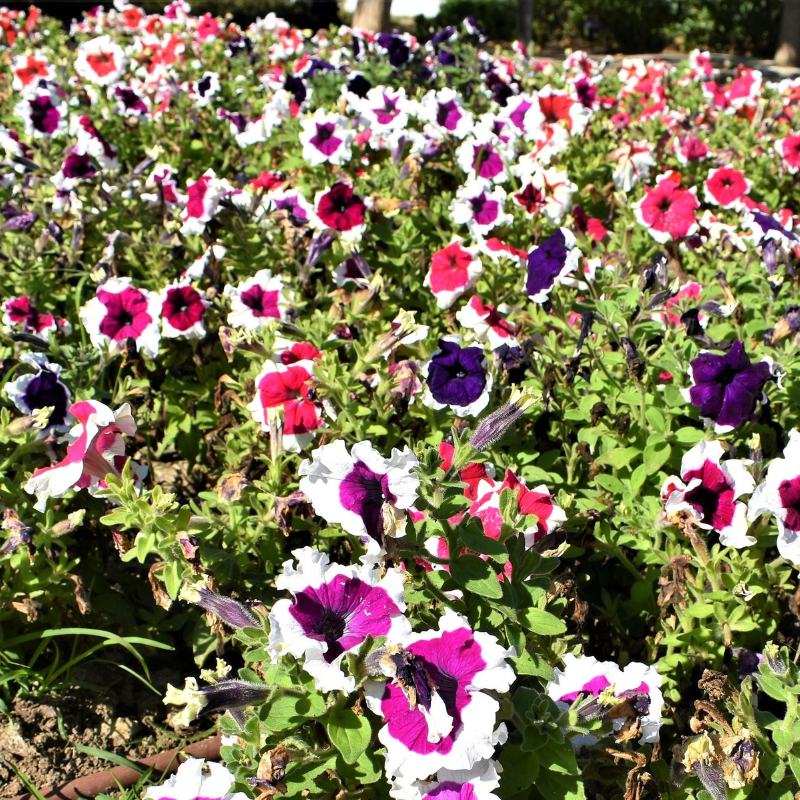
column 436, row 404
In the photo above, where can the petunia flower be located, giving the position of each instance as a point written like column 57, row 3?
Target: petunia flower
column 29, row 70
column 256, row 301
column 202, row 202
column 91, row 141
column 726, row 187
column 361, row 490
column 478, row 783
column 550, row 263
column 342, row 210
column 479, row 207
column 457, row 377
column 707, row 490
column 436, row 705
column 326, row 138
column 197, row 778
column 354, row 269
column 289, row 204
column 183, row 310
column 788, row 149
column 119, row 312
column 779, row 495
column 487, row 323
column 445, row 114
column 20, row 311
column 554, row 107
column 100, row 61
column 633, row 163
column 667, row 210
column 454, row 270
column 42, row 389
column 726, row 388
column 286, row 387
column 43, row 112
column 332, row 611
column 95, row 449
column 630, row 696
column 204, row 89
column 483, row 158
column 547, row 191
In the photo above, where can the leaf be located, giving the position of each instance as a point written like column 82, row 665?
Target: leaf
column 542, row 622
column 289, row 711
column 480, row 543
column 349, row 732
column 558, row 758
column 557, row 786
column 520, row 770
column 688, row 435
column 655, row 456
column 619, row 457
column 476, row 576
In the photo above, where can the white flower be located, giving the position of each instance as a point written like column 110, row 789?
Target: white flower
column 197, row 778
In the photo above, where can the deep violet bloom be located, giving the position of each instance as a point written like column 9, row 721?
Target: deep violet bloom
column 727, row 387
column 396, row 48
column 332, row 611
column 552, row 261
column 78, row 165
column 457, row 377
column 41, row 389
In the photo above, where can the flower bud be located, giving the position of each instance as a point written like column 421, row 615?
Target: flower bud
column 493, row 427
column 230, row 695
column 232, row 613
column 73, row 521
column 774, row 659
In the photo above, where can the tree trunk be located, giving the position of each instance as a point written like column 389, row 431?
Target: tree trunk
column 788, row 53
column 525, row 21
column 372, row 15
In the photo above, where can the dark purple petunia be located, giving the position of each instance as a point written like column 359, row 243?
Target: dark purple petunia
column 364, row 492
column 44, row 114
column 78, row 165
column 396, row 48
column 359, row 85
column 456, row 376
column 47, row 391
column 553, row 259
column 727, row 387
column 130, row 100
column 296, row 86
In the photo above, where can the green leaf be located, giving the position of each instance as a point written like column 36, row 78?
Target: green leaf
column 542, row 622
column 476, row 576
column 559, row 786
column 619, row 457
column 349, row 732
column 520, row 770
column 688, row 435
column 289, row 711
column 558, row 758
column 477, row 541
column 368, row 769
column 655, row 456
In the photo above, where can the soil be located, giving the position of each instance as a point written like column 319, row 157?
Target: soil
column 122, row 717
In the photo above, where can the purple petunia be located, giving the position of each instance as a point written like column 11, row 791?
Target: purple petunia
column 550, row 263
column 457, row 377
column 727, row 387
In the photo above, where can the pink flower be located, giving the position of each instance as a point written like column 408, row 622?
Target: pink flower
column 182, row 312
column 207, row 28
column 726, row 187
column 486, row 322
column 19, row 311
column 667, row 210
column 788, row 149
column 692, row 149
column 204, row 195
column 342, row 210
column 256, row 301
column 120, row 312
column 95, row 450
column 100, row 61
column 708, row 491
column 453, row 270
column 287, row 388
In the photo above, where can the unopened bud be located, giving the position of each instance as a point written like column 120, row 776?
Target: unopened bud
column 22, row 425
column 493, row 427
column 74, row 520
column 231, row 612
column 774, row 659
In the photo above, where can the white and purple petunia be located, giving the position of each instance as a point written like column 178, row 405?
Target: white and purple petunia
column 326, row 139
column 479, row 207
column 603, row 686
column 437, row 709
column 289, row 205
column 457, row 377
column 477, row 783
column 361, row 490
column 43, row 111
column 332, row 611
column 726, row 388
column 385, row 109
column 708, row 491
column 257, row 301
column 445, row 114
column 120, row 312
column 204, row 89
column 551, row 262
column 484, row 158
column 41, row 389
column 779, row 495
column 196, row 779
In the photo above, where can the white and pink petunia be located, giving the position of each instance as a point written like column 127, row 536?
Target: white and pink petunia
column 454, row 270
column 100, row 61
column 197, row 778
column 554, row 107
column 788, row 149
column 708, row 489
column 726, row 187
column 484, row 158
column 257, row 301
column 19, row 312
column 282, row 403
column 548, row 192
column 361, row 490
column 487, row 323
column 779, row 495
column 477, row 783
column 326, row 139
column 119, row 312
column 538, row 502
column 340, row 209
column 203, row 198
column 632, row 164
column 602, row 685
column 333, row 609
column 29, row 70
column 479, row 207
column 95, row 449
column 667, row 210
column 183, row 311
column 450, row 722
